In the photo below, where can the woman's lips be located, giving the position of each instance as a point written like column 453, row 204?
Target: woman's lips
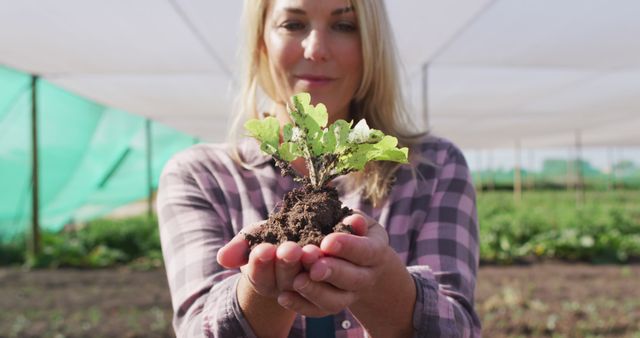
column 315, row 79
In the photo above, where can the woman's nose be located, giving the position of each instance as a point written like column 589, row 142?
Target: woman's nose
column 315, row 46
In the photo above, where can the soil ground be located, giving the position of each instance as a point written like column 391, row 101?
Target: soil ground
column 540, row 300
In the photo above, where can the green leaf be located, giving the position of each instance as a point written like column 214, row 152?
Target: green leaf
column 303, row 99
column 287, row 132
column 314, row 139
column 340, row 129
column 319, row 115
column 266, row 131
column 268, row 148
column 358, row 155
column 320, row 145
column 289, row 151
column 395, row 155
column 386, row 142
column 386, row 151
column 375, row 135
column 307, row 116
column 328, row 142
column 301, row 103
column 361, row 133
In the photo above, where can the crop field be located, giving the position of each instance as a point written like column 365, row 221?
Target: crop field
column 604, row 227
column 550, row 268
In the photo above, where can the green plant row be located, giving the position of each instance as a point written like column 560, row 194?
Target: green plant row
column 605, row 228
column 101, row 243
column 544, row 225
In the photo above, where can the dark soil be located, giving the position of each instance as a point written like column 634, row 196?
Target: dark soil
column 539, row 300
column 560, row 300
column 117, row 302
column 307, row 215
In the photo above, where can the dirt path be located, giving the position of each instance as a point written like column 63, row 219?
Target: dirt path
column 560, row 300
column 89, row 303
column 554, row 300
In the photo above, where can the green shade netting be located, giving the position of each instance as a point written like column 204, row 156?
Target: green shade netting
column 93, row 159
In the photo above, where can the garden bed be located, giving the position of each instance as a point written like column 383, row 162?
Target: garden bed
column 548, row 299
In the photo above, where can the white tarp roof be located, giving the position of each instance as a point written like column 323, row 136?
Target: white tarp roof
column 499, row 71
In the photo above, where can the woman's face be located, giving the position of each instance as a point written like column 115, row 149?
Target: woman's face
column 314, row 46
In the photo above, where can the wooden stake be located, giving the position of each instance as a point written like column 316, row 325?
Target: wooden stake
column 580, row 189
column 35, row 195
column 517, row 175
column 149, row 169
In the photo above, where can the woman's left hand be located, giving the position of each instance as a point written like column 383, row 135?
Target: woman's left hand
column 349, row 270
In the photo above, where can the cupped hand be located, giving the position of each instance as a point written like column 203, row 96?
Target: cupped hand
column 350, row 267
column 268, row 268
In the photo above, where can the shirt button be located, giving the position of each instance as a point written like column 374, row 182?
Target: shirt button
column 346, row 324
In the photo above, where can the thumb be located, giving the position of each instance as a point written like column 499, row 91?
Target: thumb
column 358, row 223
column 236, row 253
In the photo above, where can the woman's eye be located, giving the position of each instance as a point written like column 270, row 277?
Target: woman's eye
column 292, row 25
column 345, row 27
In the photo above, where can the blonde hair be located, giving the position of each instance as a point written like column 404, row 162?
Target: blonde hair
column 378, row 99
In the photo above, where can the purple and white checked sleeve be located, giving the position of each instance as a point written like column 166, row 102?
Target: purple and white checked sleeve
column 444, row 256
column 192, row 229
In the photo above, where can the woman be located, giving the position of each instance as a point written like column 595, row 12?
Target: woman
column 409, row 270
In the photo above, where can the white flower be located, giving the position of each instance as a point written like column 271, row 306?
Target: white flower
column 359, row 133
column 296, row 134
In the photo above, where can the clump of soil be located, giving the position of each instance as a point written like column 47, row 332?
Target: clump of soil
column 307, row 215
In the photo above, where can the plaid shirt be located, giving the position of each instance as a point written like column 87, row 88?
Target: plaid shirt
column 205, row 199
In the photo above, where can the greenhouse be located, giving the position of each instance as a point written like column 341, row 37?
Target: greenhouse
column 92, row 158
column 98, row 121
column 542, row 97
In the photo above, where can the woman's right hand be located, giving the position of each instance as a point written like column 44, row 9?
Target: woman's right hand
column 269, row 269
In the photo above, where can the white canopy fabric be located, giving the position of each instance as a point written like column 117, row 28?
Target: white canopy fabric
column 498, row 71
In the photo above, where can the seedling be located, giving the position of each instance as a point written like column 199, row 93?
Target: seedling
column 311, row 212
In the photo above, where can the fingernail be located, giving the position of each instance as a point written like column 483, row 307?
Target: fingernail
column 284, row 301
column 326, row 274
column 298, row 285
column 335, row 247
column 348, row 219
column 288, row 261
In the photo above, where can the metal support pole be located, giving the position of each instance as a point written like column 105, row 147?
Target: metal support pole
column 530, row 175
column 491, row 181
column 517, row 175
column 611, row 175
column 425, row 94
column 149, row 169
column 580, row 188
column 570, row 170
column 35, row 195
column 479, row 171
